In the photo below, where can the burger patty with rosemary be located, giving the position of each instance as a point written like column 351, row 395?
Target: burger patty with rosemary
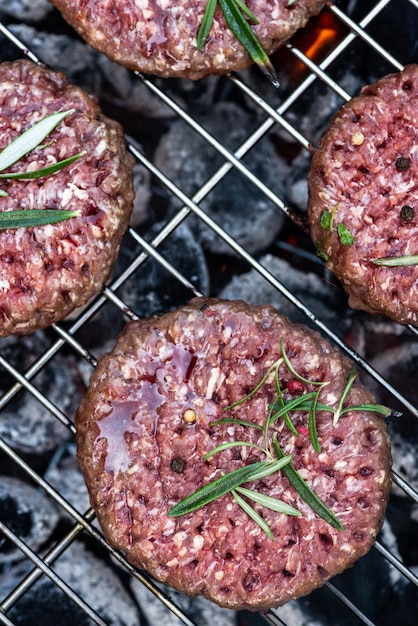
column 66, row 195
column 233, row 454
column 363, row 197
column 188, row 38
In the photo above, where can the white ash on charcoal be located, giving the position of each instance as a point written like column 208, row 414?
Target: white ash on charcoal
column 399, row 365
column 235, row 202
column 26, row 10
column 199, row 610
column 25, row 424
column 152, row 290
column 28, row 513
column 65, row 477
column 98, row 585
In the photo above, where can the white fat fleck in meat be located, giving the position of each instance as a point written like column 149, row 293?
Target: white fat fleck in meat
column 215, row 380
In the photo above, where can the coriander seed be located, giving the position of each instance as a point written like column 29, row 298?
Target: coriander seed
column 189, row 416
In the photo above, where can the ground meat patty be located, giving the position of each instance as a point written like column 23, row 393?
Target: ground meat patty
column 365, row 173
column 141, row 452
column 47, row 271
column 159, row 36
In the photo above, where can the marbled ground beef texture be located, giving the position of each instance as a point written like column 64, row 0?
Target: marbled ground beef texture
column 47, row 271
column 159, row 36
column 139, row 456
column 366, row 170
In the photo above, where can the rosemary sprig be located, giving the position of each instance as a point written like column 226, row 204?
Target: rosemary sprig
column 227, row 483
column 281, row 407
column 29, row 140
column 397, row 261
column 233, row 11
column 34, row 217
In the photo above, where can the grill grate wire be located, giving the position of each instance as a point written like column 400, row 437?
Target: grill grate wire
column 67, row 336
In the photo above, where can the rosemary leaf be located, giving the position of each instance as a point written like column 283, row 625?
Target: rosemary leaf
column 254, row 391
column 31, row 138
column 271, row 503
column 305, row 492
column 216, row 489
column 43, row 171
column 247, row 10
column 293, row 371
column 206, row 24
column 34, row 217
column 256, row 517
column 375, row 408
column 397, row 261
column 236, row 420
column 246, row 36
column 312, row 424
column 350, row 380
column 230, row 444
column 270, row 467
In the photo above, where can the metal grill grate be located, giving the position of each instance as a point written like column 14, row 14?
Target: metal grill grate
column 364, row 30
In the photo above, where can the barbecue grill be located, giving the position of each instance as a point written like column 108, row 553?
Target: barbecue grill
column 181, row 248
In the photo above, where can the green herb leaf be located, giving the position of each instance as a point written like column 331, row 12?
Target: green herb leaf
column 293, row 371
column 313, row 434
column 256, row 517
column 374, row 408
column 206, row 24
column 326, row 220
column 350, row 380
column 216, row 489
column 236, row 420
column 230, row 444
column 271, row 467
column 344, row 235
column 256, row 388
column 35, row 217
column 43, row 171
column 271, row 503
column 397, row 261
column 30, row 139
column 305, row 492
column 247, row 10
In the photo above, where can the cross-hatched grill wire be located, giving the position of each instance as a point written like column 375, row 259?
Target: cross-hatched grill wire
column 67, row 336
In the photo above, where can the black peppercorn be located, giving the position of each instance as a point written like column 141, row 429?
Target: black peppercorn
column 407, row 213
column 177, row 465
column 402, row 163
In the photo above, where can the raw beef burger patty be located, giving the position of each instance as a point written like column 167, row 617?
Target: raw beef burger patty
column 47, row 271
column 364, row 175
column 159, row 36
column 145, row 425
